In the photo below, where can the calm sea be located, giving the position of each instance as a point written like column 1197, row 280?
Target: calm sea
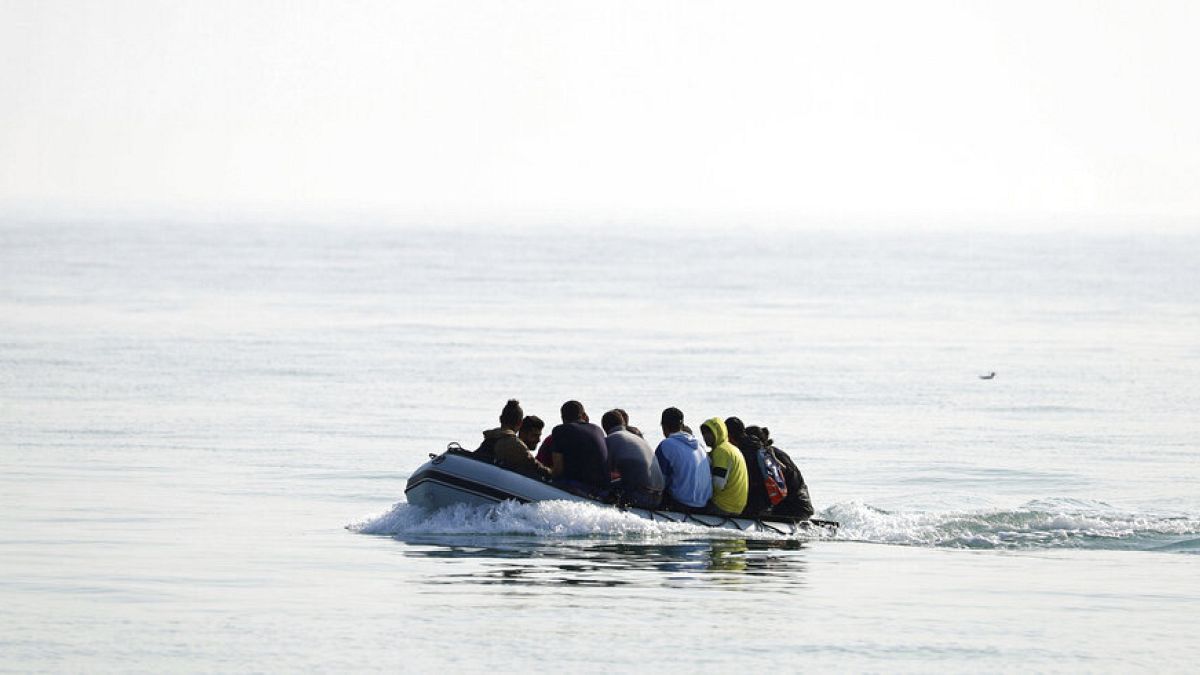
column 205, row 433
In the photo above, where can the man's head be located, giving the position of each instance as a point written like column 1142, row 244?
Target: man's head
column 531, row 431
column 761, row 433
column 672, row 421
column 510, row 417
column 624, row 416
column 714, row 433
column 736, row 429
column 611, row 420
column 572, row 411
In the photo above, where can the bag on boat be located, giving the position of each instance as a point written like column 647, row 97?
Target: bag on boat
column 487, row 449
column 774, row 478
column 798, row 502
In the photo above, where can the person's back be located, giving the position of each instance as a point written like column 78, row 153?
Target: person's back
column 729, row 477
column 757, row 502
column 684, row 465
column 580, row 453
column 639, row 477
column 797, row 502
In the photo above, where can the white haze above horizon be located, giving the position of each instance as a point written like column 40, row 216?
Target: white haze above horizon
column 544, row 111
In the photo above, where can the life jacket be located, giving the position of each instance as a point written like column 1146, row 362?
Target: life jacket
column 774, row 476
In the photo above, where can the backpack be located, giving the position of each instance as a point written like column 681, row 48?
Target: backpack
column 774, row 477
column 487, row 449
column 798, row 503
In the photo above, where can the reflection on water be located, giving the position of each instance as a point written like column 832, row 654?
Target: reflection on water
column 590, row 562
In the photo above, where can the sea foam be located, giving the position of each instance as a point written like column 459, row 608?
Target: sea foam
column 552, row 519
column 1041, row 524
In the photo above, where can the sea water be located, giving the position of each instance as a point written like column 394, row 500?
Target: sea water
column 205, row 432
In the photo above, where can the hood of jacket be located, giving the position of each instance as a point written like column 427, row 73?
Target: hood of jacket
column 717, row 426
column 498, row 432
column 685, row 438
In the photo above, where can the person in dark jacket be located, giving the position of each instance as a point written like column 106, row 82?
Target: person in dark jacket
column 502, row 445
column 510, row 421
column 798, row 502
column 756, row 501
column 579, row 452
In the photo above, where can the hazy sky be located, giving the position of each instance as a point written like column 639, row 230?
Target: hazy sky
column 552, row 109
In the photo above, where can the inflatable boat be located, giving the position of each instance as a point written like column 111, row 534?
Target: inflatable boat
column 458, row 477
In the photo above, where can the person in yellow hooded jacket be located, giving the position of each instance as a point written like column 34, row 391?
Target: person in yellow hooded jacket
column 731, row 483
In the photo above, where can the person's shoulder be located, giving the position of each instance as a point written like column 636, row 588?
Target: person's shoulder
column 626, row 437
column 636, row 439
column 512, row 440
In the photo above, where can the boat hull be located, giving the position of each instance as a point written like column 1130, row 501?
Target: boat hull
column 455, row 477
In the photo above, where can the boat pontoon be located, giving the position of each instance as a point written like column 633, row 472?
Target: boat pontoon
column 459, row 477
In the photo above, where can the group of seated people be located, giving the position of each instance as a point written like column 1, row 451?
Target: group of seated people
column 737, row 471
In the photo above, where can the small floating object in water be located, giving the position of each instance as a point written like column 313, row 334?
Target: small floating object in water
column 988, row 376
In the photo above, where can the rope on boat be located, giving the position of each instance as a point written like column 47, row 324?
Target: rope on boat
column 724, row 521
column 772, row 528
column 656, row 515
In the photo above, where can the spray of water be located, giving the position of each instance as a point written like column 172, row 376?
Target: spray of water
column 1042, row 524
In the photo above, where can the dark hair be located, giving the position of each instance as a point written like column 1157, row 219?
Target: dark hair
column 611, row 420
column 624, row 415
column 761, row 433
column 571, row 411
column 512, row 413
column 672, row 419
column 735, row 427
column 532, row 422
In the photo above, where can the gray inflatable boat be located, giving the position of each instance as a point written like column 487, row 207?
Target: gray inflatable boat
column 458, row 477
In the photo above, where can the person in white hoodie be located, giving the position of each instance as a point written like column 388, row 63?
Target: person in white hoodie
column 684, row 465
